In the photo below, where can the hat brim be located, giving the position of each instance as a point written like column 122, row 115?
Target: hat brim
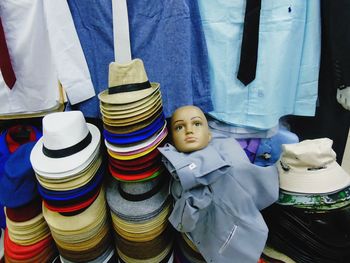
column 327, row 180
column 43, row 164
column 133, row 127
column 140, row 209
column 113, row 109
column 127, row 97
column 155, row 139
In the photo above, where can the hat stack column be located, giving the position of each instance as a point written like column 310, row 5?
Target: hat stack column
column 69, row 168
column 137, row 192
column 27, row 237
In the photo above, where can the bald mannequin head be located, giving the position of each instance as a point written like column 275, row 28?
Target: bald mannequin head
column 189, row 129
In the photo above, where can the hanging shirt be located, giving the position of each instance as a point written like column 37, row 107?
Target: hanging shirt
column 166, row 34
column 288, row 61
column 44, row 50
column 218, row 194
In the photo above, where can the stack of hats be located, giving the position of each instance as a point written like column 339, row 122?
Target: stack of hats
column 10, row 139
column 137, row 194
column 186, row 251
column 310, row 221
column 27, row 236
column 134, row 123
column 68, row 164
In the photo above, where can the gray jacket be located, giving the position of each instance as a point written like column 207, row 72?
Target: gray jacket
column 218, row 194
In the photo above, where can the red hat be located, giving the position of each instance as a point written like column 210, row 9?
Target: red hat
column 19, row 252
column 25, row 212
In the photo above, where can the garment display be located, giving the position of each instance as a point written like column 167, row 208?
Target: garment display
column 287, row 66
column 44, row 50
column 177, row 131
column 166, row 35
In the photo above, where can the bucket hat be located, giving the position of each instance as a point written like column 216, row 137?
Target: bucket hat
column 127, row 83
column 68, row 142
column 310, row 167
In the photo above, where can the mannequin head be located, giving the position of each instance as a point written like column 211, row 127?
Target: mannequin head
column 189, row 129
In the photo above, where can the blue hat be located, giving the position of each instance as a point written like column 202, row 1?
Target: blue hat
column 270, row 149
column 18, row 184
column 74, row 194
column 135, row 136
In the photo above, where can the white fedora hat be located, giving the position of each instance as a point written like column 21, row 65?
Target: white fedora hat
column 68, row 142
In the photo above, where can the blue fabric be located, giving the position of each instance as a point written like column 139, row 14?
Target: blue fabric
column 288, row 61
column 270, row 149
column 77, row 193
column 166, row 34
column 4, row 155
column 2, row 217
column 136, row 136
column 18, row 184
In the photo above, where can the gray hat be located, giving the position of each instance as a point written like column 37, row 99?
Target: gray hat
column 137, row 201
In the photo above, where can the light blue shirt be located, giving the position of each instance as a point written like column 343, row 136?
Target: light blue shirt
column 288, row 61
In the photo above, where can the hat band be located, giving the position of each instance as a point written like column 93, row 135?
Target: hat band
column 144, row 196
column 129, row 87
column 69, row 150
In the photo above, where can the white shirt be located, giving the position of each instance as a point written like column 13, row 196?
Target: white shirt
column 44, row 49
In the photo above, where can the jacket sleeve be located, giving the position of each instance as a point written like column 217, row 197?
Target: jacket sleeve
column 69, row 59
column 201, row 167
column 186, row 212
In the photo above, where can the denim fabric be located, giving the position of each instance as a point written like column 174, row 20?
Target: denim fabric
column 288, row 61
column 166, row 34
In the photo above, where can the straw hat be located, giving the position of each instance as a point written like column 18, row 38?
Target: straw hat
column 127, row 83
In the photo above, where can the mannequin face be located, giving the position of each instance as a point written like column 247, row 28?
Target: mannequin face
column 189, row 128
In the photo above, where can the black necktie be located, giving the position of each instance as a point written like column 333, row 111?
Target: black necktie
column 250, row 40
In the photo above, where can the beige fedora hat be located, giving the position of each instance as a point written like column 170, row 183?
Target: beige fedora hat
column 127, row 83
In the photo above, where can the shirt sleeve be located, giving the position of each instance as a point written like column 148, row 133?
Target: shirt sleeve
column 186, row 211
column 69, row 59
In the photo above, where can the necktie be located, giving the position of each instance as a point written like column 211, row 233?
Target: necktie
column 5, row 61
column 250, row 40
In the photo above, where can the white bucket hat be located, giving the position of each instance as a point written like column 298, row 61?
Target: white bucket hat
column 310, row 167
column 68, row 142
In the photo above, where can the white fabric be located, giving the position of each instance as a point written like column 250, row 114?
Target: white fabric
column 343, row 97
column 44, row 49
column 122, row 51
